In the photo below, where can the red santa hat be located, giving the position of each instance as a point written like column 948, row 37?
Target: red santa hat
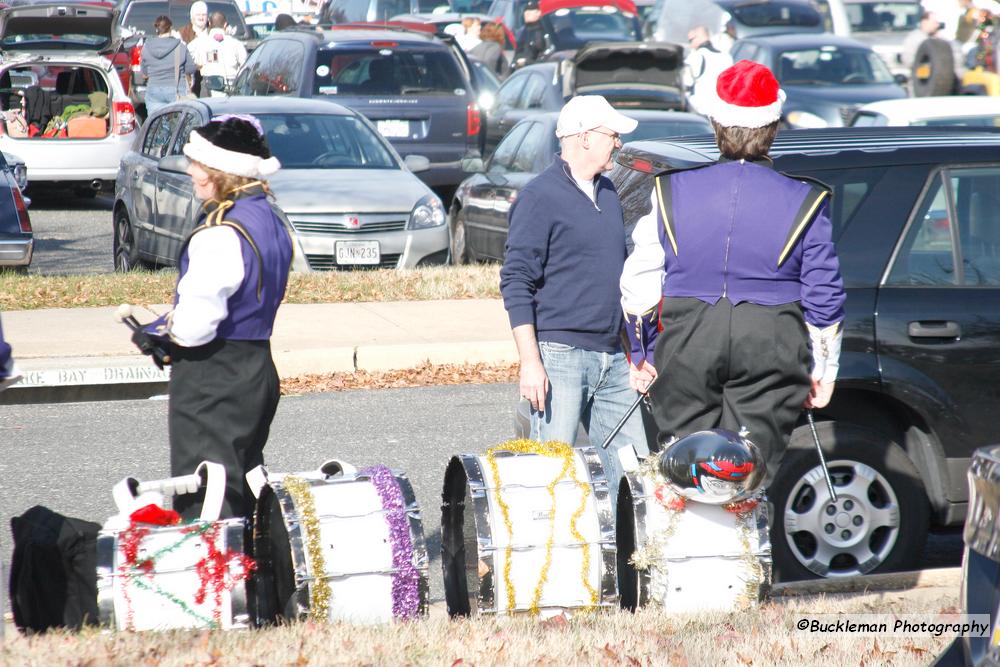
column 747, row 95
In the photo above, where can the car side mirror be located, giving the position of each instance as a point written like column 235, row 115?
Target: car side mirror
column 417, row 163
column 214, row 82
column 901, row 79
column 175, row 164
column 473, row 165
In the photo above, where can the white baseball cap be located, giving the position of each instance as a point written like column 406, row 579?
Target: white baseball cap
column 587, row 112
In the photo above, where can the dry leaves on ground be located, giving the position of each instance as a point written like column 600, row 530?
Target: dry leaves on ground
column 421, row 376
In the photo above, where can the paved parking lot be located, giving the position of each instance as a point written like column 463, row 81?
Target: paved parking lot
column 72, row 235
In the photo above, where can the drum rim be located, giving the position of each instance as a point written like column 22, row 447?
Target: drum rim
column 418, row 542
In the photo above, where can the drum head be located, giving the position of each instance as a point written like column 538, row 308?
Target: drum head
column 276, row 593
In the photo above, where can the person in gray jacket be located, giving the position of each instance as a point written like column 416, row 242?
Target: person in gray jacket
column 166, row 64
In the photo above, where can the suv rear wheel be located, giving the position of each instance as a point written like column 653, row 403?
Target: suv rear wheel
column 125, row 249
column 878, row 523
column 459, row 252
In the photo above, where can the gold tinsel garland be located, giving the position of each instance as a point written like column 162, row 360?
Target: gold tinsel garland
column 555, row 450
column 319, row 587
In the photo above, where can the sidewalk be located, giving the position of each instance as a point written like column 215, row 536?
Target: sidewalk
column 86, row 354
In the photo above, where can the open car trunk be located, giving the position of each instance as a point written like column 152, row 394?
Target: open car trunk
column 634, row 75
column 63, row 27
column 49, row 101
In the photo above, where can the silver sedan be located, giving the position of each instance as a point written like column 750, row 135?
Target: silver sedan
column 353, row 202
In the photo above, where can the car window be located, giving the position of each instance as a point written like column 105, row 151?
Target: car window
column 510, row 91
column 388, row 71
column 503, row 157
column 955, row 237
column 849, row 189
column 534, row 91
column 831, row 65
column 869, row 119
column 531, row 150
column 277, row 67
column 776, row 13
column 188, row 123
column 346, row 11
column 324, row 141
column 572, row 27
column 883, row 16
column 158, row 135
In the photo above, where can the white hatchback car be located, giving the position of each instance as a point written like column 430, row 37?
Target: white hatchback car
column 967, row 110
column 65, row 111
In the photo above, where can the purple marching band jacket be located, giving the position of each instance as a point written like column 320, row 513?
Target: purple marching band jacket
column 252, row 308
column 781, row 226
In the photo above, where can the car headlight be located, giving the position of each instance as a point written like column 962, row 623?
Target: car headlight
column 805, row 119
column 429, row 212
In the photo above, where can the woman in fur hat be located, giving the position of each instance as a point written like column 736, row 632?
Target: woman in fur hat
column 233, row 272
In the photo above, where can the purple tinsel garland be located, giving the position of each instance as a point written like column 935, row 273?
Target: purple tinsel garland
column 406, row 579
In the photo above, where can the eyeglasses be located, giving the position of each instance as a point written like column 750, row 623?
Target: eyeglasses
column 615, row 137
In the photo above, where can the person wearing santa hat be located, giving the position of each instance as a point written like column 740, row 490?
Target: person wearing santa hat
column 733, row 291
column 233, row 270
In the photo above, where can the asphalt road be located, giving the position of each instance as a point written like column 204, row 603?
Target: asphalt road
column 72, row 235
column 68, row 456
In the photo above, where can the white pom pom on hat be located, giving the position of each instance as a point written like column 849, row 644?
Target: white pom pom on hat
column 747, row 95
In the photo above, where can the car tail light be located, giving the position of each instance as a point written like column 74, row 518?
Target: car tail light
column 122, row 117
column 135, row 58
column 384, row 45
column 473, row 120
column 644, row 166
column 22, row 211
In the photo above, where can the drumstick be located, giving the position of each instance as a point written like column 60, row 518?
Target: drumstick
column 628, row 413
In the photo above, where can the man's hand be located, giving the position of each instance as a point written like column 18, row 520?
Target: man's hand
column 641, row 376
column 534, row 384
column 819, row 395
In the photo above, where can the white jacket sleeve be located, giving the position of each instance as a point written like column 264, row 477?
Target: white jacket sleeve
column 215, row 271
column 642, row 278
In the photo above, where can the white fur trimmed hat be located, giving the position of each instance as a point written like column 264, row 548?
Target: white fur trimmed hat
column 747, row 95
column 234, row 144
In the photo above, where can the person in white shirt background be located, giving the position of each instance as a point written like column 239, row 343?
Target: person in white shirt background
column 218, row 56
column 702, row 67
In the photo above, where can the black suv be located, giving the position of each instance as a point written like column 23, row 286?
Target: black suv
column 415, row 88
column 916, row 215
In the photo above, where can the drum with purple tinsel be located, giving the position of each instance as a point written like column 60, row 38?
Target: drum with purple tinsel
column 339, row 544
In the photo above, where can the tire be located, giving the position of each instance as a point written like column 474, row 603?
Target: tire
column 933, row 69
column 881, row 516
column 126, row 252
column 456, row 239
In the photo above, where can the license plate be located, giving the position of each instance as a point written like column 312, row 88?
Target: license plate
column 357, row 252
column 393, row 128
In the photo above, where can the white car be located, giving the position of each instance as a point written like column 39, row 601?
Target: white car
column 53, row 61
column 969, row 110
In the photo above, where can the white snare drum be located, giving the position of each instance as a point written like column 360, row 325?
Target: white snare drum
column 190, row 575
column 476, row 544
column 701, row 557
column 342, row 546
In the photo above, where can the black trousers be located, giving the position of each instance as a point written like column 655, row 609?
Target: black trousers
column 223, row 396
column 731, row 367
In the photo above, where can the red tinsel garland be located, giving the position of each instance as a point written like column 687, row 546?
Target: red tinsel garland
column 214, row 571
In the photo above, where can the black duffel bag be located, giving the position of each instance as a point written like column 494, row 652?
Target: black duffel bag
column 53, row 572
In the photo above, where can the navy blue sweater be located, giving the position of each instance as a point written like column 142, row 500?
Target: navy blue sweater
column 564, row 260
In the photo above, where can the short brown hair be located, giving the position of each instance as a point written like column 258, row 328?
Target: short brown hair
column 162, row 25
column 493, row 32
column 226, row 183
column 744, row 143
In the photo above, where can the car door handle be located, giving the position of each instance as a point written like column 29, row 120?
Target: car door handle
column 934, row 329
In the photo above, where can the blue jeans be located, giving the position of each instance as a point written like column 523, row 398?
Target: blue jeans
column 159, row 96
column 589, row 388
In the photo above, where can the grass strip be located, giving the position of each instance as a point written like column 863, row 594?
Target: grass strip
column 32, row 292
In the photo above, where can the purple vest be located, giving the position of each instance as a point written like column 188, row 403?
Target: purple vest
column 267, row 257
column 743, row 231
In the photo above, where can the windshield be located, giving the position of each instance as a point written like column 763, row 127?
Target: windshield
column 324, row 141
column 883, row 16
column 656, row 129
column 387, row 71
column 575, row 27
column 769, row 14
column 829, row 65
column 139, row 16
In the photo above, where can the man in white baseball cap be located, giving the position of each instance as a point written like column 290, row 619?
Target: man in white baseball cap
column 559, row 281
